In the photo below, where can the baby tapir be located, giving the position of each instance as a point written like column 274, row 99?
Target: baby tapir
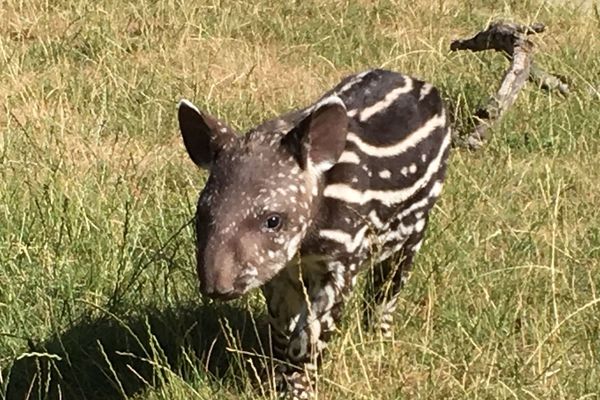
column 299, row 204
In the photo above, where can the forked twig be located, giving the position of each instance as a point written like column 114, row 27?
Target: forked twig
column 512, row 40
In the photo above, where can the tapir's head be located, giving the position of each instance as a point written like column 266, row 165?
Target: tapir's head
column 261, row 194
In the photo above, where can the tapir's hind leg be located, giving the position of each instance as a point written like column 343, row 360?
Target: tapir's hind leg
column 385, row 281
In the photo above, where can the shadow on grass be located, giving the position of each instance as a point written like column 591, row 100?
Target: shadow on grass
column 113, row 357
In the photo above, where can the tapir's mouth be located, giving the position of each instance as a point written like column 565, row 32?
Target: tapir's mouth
column 242, row 285
column 228, row 296
column 231, row 289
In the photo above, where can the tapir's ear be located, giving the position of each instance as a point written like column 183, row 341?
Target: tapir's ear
column 320, row 138
column 202, row 134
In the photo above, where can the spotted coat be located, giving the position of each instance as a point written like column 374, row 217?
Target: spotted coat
column 301, row 203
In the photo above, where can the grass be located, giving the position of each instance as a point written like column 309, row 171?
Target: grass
column 98, row 296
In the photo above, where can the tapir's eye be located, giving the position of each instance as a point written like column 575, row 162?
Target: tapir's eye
column 273, row 222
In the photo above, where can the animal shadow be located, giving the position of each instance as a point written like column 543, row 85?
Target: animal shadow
column 114, row 357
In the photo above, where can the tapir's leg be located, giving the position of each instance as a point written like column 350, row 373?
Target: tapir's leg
column 307, row 319
column 388, row 277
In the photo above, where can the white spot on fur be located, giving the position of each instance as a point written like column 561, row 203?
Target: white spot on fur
column 419, row 225
column 385, row 174
column 425, row 90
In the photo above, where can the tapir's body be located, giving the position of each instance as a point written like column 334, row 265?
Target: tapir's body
column 303, row 202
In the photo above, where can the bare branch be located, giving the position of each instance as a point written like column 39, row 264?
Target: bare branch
column 499, row 36
column 510, row 39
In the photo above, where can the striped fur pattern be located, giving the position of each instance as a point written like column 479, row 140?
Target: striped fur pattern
column 300, row 204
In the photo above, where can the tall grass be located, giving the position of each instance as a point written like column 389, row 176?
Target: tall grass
column 98, row 295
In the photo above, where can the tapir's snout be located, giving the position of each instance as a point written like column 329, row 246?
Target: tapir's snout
column 216, row 274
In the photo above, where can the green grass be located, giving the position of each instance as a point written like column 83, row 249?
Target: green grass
column 98, row 295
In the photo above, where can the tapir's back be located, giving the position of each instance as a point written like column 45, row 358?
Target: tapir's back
column 392, row 169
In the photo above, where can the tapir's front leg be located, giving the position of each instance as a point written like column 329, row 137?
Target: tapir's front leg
column 285, row 302
column 305, row 313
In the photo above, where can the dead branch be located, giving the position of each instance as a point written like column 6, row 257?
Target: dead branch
column 510, row 39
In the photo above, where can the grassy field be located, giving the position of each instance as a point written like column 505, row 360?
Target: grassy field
column 98, row 296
